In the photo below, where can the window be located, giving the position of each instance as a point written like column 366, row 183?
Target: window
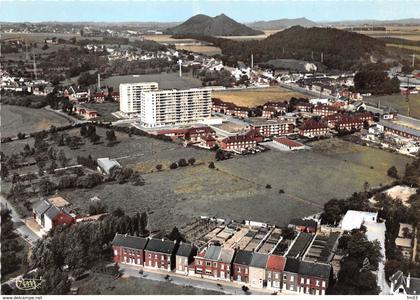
column 115, row 252
column 208, row 264
column 269, row 274
column 302, row 280
column 323, row 284
column 215, row 264
column 277, row 276
column 284, row 277
column 317, row 283
column 291, row 277
column 307, row 281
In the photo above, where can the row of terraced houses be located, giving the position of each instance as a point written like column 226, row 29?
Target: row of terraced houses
column 256, row 270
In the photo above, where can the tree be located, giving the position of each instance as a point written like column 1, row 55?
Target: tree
column 159, row 167
column 97, row 208
column 4, row 171
column 173, row 166
column 52, row 167
column 393, row 172
column 62, row 158
column 21, row 136
column 110, row 136
column 143, row 224
column 83, row 131
column 175, row 235
column 46, row 187
column 94, row 139
column 182, row 162
column 45, row 47
column 191, row 161
column 211, row 165
column 220, row 154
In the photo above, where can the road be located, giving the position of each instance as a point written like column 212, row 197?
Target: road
column 304, row 91
column 376, row 231
column 405, row 119
column 24, row 231
column 226, row 287
column 71, row 119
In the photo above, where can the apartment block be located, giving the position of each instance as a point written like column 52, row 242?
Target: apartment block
column 173, row 107
column 130, row 100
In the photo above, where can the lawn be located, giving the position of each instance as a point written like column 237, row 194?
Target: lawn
column 398, row 102
column 101, row 284
column 15, row 119
column 254, row 97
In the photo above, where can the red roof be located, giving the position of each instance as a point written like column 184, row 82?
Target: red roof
column 249, row 136
column 276, row 263
column 275, row 104
column 312, row 124
column 349, row 120
column 288, row 142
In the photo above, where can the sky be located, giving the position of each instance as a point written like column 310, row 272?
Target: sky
column 180, row 10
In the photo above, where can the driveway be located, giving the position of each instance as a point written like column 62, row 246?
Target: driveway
column 21, row 228
column 376, row 231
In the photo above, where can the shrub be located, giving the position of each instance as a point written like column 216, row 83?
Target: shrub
column 211, row 165
column 173, row 166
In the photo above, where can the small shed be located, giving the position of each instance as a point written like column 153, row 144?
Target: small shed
column 106, row 164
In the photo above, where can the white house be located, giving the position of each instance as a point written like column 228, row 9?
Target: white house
column 354, row 219
column 404, row 285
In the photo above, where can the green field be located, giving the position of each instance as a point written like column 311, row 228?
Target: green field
column 398, row 102
column 165, row 80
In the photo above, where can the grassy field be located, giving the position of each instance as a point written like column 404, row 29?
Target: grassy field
column 415, row 49
column 253, row 97
column 403, row 32
column 101, row 284
column 399, row 102
column 15, row 119
column 165, row 80
column 206, row 50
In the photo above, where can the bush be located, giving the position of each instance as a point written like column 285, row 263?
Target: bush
column 159, row 167
column 182, row 162
column 268, row 186
column 211, row 165
column 191, row 161
column 173, row 166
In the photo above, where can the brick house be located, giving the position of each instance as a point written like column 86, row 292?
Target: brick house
column 275, row 267
column 207, row 142
column 349, row 123
column 312, row 128
column 273, row 127
column 160, row 254
column 272, row 109
column 236, row 111
column 115, row 96
column 303, row 107
column 48, row 216
column 241, row 141
column 313, row 277
column 184, row 257
column 99, row 97
column 129, row 249
column 331, row 120
column 85, row 112
column 269, row 112
column 324, row 110
column 290, row 275
column 303, row 225
column 240, row 270
column 257, row 270
column 364, row 116
column 214, row 262
column 218, row 105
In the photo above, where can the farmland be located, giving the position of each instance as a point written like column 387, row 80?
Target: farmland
column 253, row 97
column 403, row 32
column 399, row 103
column 415, row 49
column 203, row 49
column 165, row 80
column 15, row 119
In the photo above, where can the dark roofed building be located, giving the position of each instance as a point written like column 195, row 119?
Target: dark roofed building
column 404, row 285
column 184, row 257
column 257, row 270
column 241, row 265
column 160, row 254
column 49, row 216
column 290, row 274
column 129, row 249
column 313, row 277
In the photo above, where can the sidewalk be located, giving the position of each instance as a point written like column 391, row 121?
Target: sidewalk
column 226, row 287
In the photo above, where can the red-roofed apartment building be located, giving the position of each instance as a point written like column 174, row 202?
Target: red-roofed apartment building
column 288, row 144
column 273, row 127
column 312, row 128
column 349, row 123
column 271, row 109
column 241, row 141
column 324, row 110
column 275, row 268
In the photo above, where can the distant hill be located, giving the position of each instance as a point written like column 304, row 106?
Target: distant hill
column 409, row 21
column 282, row 23
column 336, row 49
column 220, row 25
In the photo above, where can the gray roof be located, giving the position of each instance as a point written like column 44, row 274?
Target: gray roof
column 41, row 207
column 52, row 212
column 128, row 241
column 302, row 222
column 409, row 130
column 292, row 265
column 213, row 252
column 107, row 164
column 186, row 250
column 162, row 246
column 243, row 257
column 259, row 260
column 226, row 255
column 315, row 269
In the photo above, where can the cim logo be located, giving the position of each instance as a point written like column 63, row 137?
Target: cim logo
column 28, row 284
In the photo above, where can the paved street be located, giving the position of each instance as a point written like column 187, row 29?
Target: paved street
column 207, row 284
column 22, row 229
